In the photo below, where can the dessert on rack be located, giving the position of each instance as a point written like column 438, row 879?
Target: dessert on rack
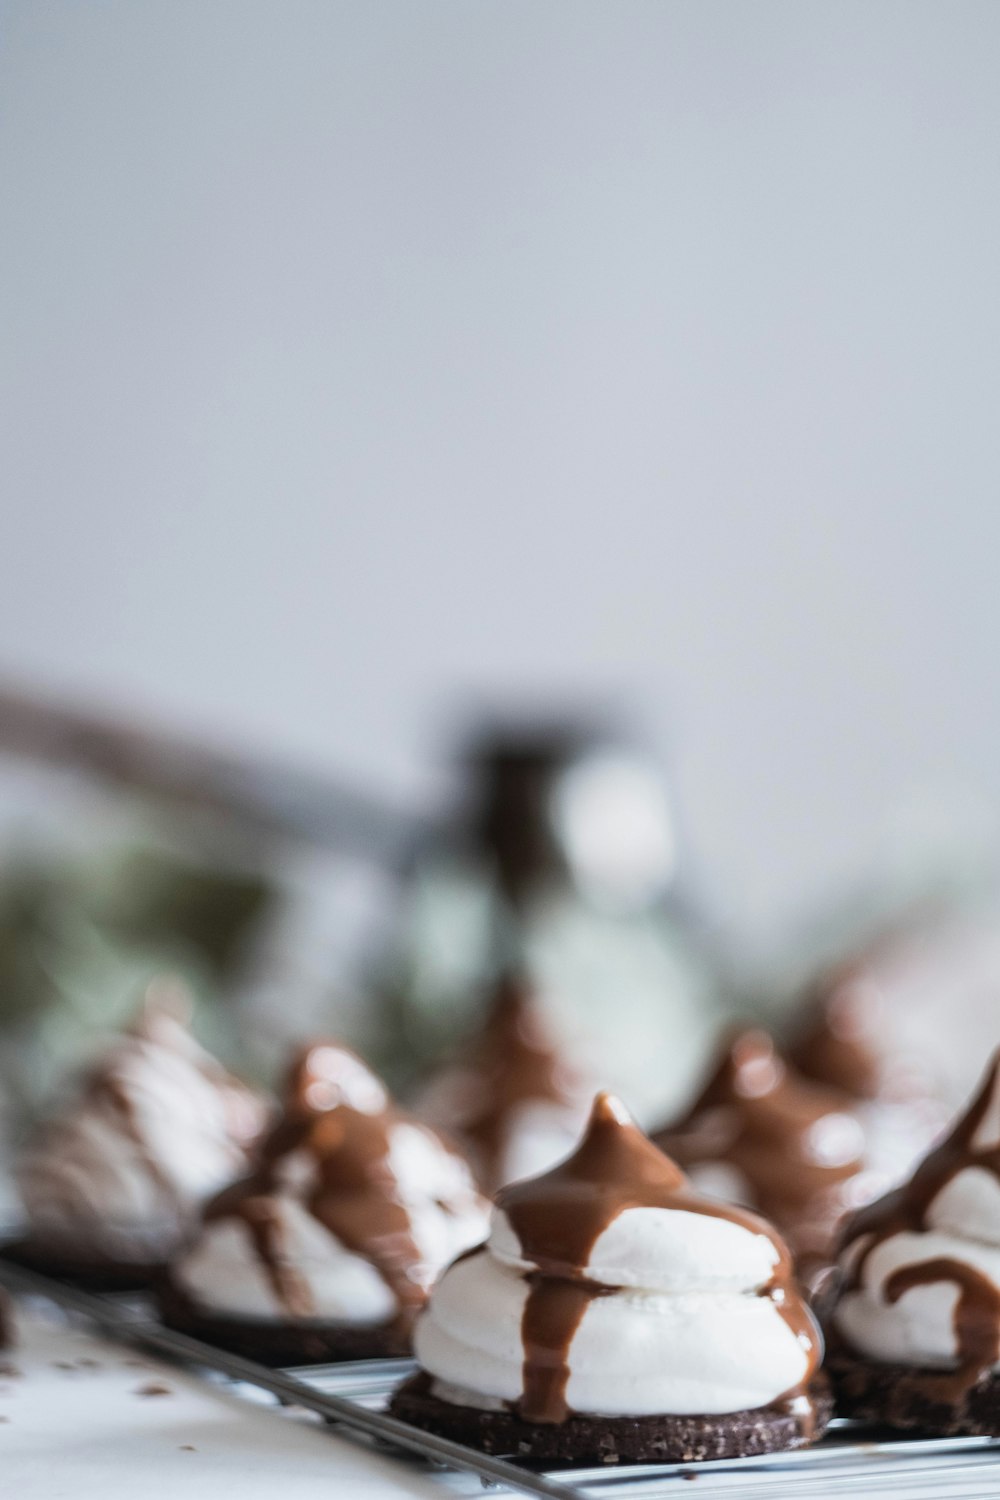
column 915, row 1323
column 843, row 1038
column 112, row 1181
column 326, row 1249
column 615, row 1315
column 762, row 1135
column 507, row 1096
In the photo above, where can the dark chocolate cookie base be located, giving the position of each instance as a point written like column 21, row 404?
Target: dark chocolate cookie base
column 105, row 1275
column 591, row 1440
column 278, row 1344
column 905, row 1397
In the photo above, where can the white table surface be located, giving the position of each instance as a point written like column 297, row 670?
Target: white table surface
column 74, row 1425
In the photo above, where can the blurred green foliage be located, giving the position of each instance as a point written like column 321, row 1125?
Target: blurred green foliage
column 80, row 938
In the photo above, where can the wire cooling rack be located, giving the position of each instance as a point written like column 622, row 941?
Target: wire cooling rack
column 353, row 1397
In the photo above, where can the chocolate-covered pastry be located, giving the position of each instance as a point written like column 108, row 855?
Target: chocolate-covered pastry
column 916, row 1321
column 615, row 1315
column 113, row 1182
column 508, row 1097
column 761, row 1135
column 327, row 1249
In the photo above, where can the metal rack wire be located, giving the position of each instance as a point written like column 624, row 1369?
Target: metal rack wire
column 350, row 1397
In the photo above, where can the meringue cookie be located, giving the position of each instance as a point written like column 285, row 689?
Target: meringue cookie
column 352, row 1209
column 159, row 1125
column 609, row 1287
column 758, row 1134
column 921, row 1267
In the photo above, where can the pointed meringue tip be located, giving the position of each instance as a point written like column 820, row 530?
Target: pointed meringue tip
column 757, row 1065
column 750, row 1044
column 325, row 1074
column 608, row 1109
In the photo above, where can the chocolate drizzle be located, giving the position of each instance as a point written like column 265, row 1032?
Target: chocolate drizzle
column 558, row 1219
column 264, row 1224
column 351, row 1186
column 109, row 1088
column 791, row 1142
column 552, row 1314
column 976, row 1318
column 163, row 1022
column 509, row 1063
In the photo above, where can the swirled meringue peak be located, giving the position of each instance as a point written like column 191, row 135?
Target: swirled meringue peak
column 351, row 1209
column 921, row 1266
column 760, row 1134
column 157, row 1126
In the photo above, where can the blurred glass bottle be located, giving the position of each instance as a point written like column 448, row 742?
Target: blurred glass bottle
column 562, row 860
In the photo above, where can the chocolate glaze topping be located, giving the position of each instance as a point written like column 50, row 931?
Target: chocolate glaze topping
column 510, row 1062
column 977, row 1310
column 559, row 1217
column 353, row 1189
column 791, row 1141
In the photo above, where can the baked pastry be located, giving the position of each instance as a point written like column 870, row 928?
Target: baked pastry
column 760, row 1135
column 915, row 1325
column 327, row 1248
column 616, row 1316
column 507, row 1097
column 112, row 1182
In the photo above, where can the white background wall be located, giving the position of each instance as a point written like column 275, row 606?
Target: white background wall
column 364, row 353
